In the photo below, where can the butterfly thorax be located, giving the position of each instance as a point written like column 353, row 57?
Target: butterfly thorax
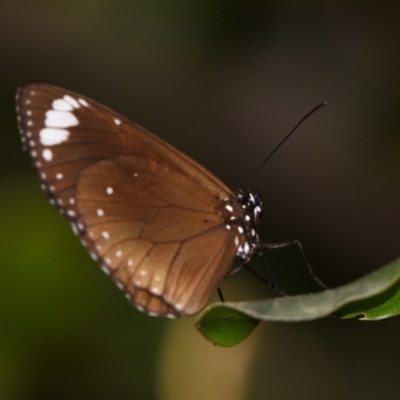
column 242, row 214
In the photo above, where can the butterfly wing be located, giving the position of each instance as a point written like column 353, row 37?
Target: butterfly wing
column 153, row 218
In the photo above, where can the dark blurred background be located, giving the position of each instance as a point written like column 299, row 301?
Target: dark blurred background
column 224, row 82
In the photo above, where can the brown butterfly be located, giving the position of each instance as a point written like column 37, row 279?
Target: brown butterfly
column 162, row 226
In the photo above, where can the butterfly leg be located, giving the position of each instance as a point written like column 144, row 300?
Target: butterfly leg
column 296, row 242
column 221, row 296
column 231, row 272
column 235, row 269
column 270, row 283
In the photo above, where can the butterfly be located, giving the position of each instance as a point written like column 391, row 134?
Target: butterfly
column 163, row 227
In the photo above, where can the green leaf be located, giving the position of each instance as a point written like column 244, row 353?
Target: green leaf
column 226, row 327
column 374, row 296
column 384, row 305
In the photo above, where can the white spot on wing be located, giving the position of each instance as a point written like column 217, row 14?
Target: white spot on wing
column 59, row 176
column 118, row 253
column 60, row 119
column 109, row 190
column 105, row 235
column 153, row 314
column 75, row 229
column 117, row 121
column 71, row 101
column 105, row 269
column 61, row 105
column 155, row 290
column 100, row 212
column 53, row 136
column 143, row 272
column 47, row 154
column 83, row 102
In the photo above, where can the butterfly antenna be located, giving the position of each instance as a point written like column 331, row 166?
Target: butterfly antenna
column 286, row 138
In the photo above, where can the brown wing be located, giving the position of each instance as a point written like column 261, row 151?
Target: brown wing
column 152, row 216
